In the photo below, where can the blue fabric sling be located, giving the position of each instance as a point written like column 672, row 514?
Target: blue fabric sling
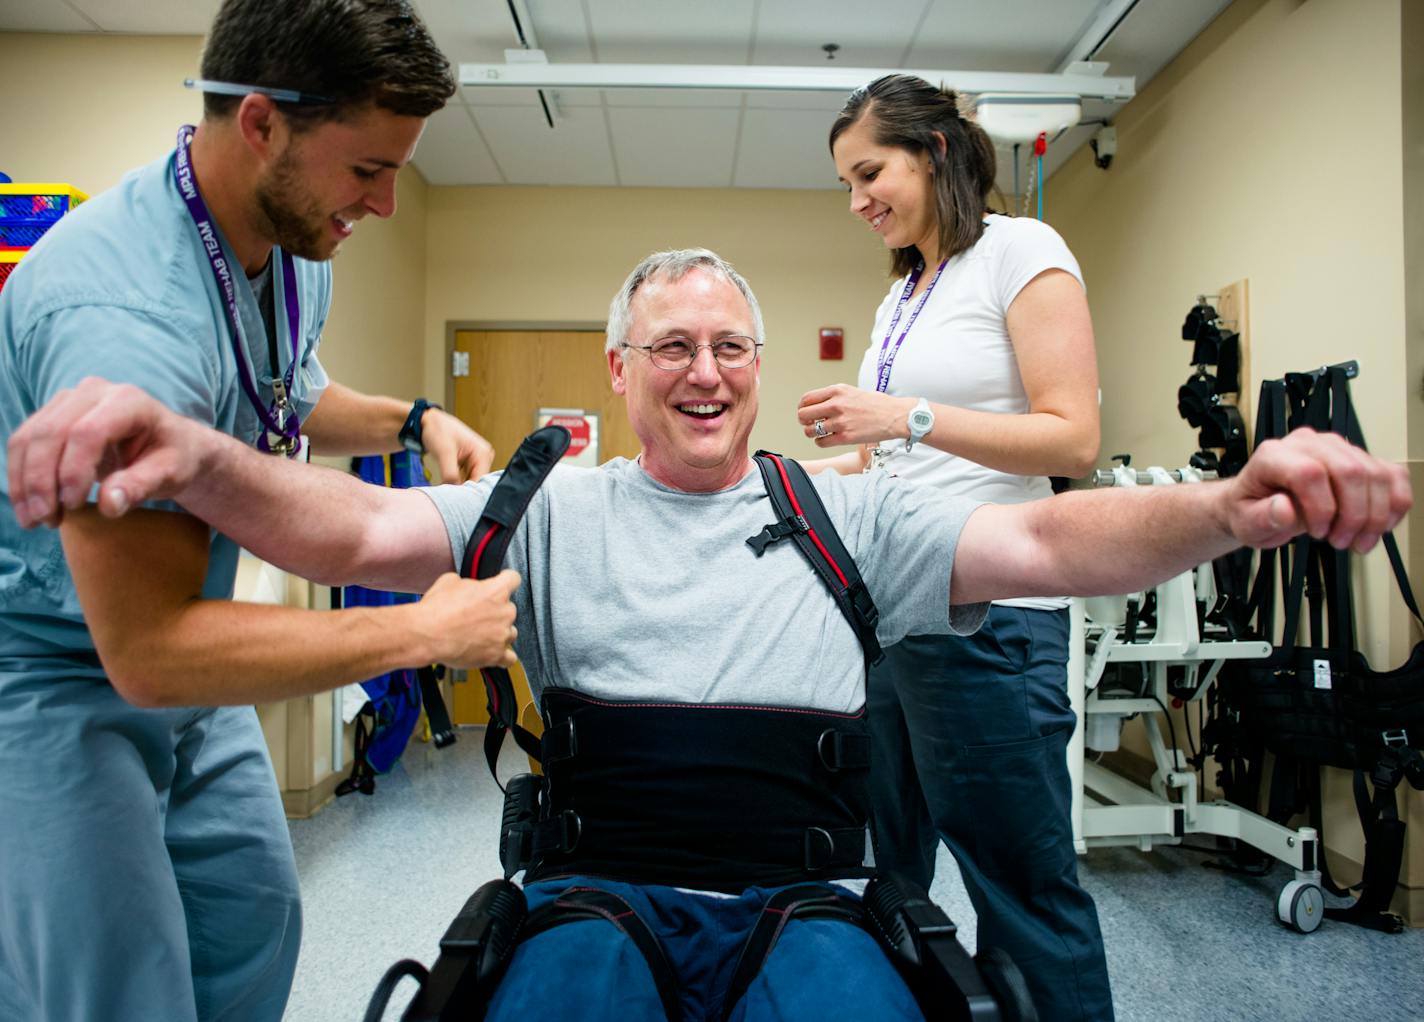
column 393, row 699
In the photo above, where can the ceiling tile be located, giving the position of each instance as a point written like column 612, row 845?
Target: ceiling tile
column 1011, row 35
column 176, row 17
column 784, row 149
column 708, row 99
column 469, row 33
column 671, row 31
column 576, row 97
column 41, row 16
column 561, row 30
column 574, row 152
column 869, row 35
column 451, row 151
column 685, row 148
column 828, row 103
column 502, row 95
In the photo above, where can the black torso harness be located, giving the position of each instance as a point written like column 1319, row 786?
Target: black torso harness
column 770, row 796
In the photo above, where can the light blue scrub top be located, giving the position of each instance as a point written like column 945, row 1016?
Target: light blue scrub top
column 120, row 288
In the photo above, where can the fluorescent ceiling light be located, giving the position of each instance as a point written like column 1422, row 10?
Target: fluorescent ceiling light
column 792, row 79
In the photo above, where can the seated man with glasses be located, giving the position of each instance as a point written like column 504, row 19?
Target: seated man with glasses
column 641, row 596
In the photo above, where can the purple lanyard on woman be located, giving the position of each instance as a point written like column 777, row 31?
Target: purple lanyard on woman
column 281, row 433
column 887, row 355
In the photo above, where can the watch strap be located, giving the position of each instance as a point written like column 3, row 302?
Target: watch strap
column 922, row 407
column 412, row 434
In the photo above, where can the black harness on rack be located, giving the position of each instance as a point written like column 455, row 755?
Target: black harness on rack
column 1318, row 702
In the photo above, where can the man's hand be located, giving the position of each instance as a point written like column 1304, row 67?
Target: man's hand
column 459, row 452
column 99, row 432
column 467, row 623
column 1316, row 483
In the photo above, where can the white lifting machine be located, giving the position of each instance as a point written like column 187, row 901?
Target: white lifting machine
column 1109, row 809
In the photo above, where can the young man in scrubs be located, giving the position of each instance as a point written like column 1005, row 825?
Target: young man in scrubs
column 145, row 866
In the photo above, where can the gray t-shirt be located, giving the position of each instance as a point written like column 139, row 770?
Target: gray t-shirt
column 632, row 590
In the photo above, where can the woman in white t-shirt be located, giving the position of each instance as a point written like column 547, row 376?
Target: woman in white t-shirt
column 981, row 380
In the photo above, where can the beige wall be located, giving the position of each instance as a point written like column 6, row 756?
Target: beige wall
column 86, row 109
column 1247, row 158
column 559, row 254
column 374, row 338
column 1412, row 93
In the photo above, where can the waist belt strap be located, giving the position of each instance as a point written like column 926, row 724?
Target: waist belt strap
column 484, row 557
column 704, row 795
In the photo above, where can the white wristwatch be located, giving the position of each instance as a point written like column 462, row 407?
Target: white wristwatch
column 920, row 421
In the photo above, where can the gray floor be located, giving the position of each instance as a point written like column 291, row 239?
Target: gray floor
column 383, row 876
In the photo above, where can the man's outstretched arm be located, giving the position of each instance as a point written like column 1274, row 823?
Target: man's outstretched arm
column 1099, row 542
column 321, row 524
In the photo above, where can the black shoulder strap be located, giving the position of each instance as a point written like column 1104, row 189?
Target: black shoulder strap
column 803, row 518
column 484, row 557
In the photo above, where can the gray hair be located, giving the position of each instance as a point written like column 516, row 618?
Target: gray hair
column 674, row 265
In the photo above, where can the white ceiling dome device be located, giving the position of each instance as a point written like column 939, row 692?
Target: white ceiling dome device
column 1018, row 117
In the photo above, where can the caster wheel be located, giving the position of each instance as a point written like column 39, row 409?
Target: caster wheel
column 1301, row 906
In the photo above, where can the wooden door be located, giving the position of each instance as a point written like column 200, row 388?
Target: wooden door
column 514, row 373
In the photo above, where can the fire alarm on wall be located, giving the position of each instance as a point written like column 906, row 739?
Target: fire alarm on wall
column 832, row 343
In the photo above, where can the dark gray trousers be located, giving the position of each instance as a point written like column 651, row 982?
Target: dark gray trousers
column 970, row 738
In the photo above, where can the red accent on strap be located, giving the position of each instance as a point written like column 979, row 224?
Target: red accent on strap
column 479, row 550
column 493, row 690
column 796, row 506
column 1040, row 144
column 490, row 687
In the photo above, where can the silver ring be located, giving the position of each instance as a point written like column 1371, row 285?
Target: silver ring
column 820, row 431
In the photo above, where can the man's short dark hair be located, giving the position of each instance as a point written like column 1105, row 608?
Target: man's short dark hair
column 353, row 52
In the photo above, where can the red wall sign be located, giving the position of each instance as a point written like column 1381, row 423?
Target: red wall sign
column 578, row 429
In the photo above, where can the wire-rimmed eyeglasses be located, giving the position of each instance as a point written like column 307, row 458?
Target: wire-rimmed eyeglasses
column 675, row 353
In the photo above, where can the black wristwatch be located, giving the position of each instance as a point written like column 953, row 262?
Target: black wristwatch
column 412, row 436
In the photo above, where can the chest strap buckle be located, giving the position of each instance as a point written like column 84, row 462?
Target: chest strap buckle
column 777, row 531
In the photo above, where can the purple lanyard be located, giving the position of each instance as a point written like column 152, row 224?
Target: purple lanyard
column 887, row 355
column 281, row 426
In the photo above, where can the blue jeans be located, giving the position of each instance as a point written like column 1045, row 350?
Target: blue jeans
column 970, row 735
column 588, row 970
